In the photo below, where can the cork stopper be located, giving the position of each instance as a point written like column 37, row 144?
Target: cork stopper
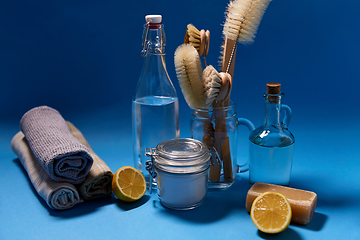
column 273, row 89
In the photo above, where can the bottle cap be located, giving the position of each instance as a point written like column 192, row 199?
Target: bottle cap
column 153, row 18
column 273, row 89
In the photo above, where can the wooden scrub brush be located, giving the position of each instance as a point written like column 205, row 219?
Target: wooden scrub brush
column 200, row 40
column 242, row 20
column 199, row 88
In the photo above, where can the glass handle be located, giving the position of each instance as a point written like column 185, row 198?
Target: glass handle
column 287, row 116
column 251, row 127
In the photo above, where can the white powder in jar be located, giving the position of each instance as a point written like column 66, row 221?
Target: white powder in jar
column 182, row 191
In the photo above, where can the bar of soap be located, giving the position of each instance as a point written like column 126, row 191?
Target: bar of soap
column 303, row 203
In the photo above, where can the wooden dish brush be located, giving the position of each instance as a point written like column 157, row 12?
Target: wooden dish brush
column 242, row 21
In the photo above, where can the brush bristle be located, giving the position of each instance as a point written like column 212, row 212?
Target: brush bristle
column 243, row 19
column 189, row 70
column 212, row 84
column 222, row 52
column 193, row 36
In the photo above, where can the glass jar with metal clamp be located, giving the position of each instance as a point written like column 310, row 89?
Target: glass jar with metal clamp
column 181, row 168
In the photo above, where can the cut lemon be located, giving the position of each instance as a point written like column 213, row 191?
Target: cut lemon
column 128, row 184
column 271, row 212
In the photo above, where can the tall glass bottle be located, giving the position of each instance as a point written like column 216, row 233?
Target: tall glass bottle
column 272, row 144
column 155, row 107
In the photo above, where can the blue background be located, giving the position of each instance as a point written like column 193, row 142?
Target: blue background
column 83, row 59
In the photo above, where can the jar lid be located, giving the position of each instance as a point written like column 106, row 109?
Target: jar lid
column 182, row 155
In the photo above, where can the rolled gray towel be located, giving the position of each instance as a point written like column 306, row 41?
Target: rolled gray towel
column 61, row 155
column 57, row 195
column 98, row 182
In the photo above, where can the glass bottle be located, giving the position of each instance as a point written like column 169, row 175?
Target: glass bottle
column 272, row 144
column 155, row 108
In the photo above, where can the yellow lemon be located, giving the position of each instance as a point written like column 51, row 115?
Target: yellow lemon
column 128, row 184
column 271, row 212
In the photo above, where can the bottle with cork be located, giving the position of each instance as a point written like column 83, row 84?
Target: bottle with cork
column 272, row 144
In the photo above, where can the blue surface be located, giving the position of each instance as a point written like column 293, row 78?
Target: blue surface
column 83, row 58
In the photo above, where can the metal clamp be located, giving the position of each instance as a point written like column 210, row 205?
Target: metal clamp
column 150, row 152
column 145, row 42
column 215, row 158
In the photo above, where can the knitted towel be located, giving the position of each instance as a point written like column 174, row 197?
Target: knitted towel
column 98, row 182
column 57, row 195
column 62, row 156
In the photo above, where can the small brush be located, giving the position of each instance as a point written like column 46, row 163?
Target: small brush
column 199, row 87
column 213, row 85
column 218, row 133
column 198, row 39
column 217, row 88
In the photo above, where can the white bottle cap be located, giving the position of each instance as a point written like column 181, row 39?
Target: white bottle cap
column 153, row 18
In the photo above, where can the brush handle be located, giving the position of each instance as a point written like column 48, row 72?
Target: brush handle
column 208, row 139
column 228, row 60
column 220, row 136
column 221, row 140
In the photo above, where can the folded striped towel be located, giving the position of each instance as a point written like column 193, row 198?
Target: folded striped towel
column 61, row 155
column 57, row 195
column 98, row 181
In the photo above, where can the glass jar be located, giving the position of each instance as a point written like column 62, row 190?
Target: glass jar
column 218, row 128
column 181, row 167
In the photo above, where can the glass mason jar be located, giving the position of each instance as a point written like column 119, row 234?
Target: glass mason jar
column 218, row 129
column 181, row 169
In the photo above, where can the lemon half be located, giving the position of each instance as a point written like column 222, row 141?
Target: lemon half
column 128, row 184
column 271, row 212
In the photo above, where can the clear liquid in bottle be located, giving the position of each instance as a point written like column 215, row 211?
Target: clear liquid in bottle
column 155, row 120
